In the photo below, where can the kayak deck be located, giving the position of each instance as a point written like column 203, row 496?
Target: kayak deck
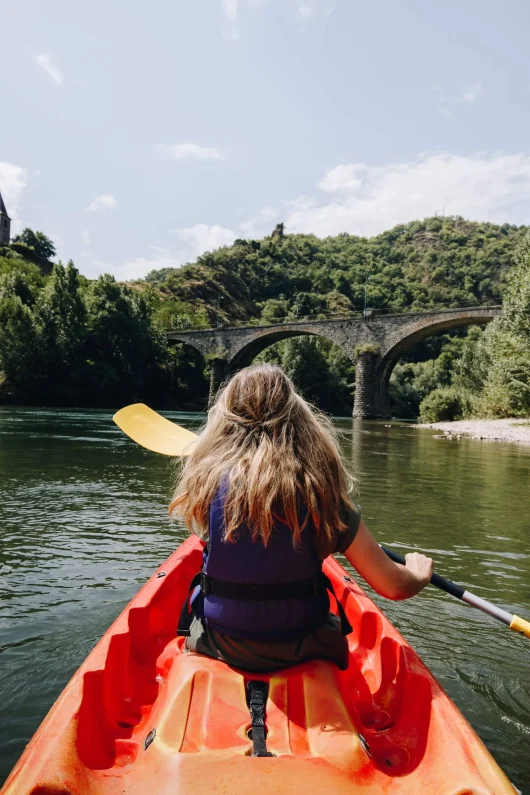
column 141, row 716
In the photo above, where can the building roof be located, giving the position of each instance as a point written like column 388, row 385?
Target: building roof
column 3, row 210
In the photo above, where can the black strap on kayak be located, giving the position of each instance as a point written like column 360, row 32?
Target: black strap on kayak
column 257, row 693
column 260, row 592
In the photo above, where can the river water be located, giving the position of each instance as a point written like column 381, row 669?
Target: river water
column 83, row 522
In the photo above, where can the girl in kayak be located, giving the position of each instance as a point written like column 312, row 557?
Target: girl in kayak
column 267, row 489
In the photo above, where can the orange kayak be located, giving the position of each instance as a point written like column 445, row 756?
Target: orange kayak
column 142, row 717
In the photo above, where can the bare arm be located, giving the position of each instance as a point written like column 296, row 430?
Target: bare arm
column 389, row 579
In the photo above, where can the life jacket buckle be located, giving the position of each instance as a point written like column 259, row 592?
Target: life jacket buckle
column 205, row 584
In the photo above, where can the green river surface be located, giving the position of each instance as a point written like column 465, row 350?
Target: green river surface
column 83, row 523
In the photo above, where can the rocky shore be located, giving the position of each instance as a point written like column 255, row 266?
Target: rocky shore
column 512, row 430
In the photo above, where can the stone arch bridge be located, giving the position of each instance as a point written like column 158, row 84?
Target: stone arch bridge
column 373, row 341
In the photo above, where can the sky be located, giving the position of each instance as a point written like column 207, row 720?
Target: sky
column 139, row 135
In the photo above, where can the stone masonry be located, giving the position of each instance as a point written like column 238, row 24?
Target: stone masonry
column 5, row 224
column 374, row 343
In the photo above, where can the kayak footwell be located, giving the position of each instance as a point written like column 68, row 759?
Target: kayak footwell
column 142, row 716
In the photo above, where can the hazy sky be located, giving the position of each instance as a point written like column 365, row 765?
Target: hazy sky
column 139, row 134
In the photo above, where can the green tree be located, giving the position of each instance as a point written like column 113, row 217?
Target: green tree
column 123, row 347
column 37, row 242
column 443, row 404
column 173, row 315
column 18, row 349
column 319, row 369
column 60, row 324
column 274, row 310
column 494, row 370
column 516, row 300
column 11, row 262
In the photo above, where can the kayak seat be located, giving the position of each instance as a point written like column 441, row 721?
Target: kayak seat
column 314, row 709
column 306, row 715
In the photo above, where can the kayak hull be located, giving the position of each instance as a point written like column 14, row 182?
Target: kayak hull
column 141, row 715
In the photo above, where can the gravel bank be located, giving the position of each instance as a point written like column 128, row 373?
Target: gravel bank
column 512, row 430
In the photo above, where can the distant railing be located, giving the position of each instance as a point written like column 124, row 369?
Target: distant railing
column 322, row 318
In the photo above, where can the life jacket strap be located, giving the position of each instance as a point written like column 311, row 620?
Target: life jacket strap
column 259, row 592
column 248, row 592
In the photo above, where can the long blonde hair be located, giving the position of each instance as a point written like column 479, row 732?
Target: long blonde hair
column 277, row 454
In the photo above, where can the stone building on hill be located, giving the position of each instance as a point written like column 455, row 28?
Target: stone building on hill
column 5, row 224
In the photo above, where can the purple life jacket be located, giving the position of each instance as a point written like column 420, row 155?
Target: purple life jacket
column 246, row 563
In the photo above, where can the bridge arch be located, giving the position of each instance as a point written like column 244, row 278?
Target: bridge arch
column 229, row 349
column 244, row 353
column 403, row 338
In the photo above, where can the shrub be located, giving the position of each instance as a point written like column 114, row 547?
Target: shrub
column 443, row 404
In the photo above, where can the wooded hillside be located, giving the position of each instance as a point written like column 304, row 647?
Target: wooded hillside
column 66, row 340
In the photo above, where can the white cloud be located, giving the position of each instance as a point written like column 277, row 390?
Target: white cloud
column 466, row 94
column 191, row 151
column 106, row 201
column 260, row 224
column 195, row 239
column 369, row 199
column 230, row 9
column 137, row 268
column 341, row 178
column 85, row 238
column 57, row 239
column 305, row 8
column 13, row 181
column 48, row 65
column 472, row 92
column 231, row 34
column 365, row 200
column 202, row 237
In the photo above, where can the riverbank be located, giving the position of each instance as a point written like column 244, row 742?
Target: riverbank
column 511, row 430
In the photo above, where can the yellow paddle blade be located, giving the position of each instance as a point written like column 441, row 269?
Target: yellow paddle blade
column 153, row 431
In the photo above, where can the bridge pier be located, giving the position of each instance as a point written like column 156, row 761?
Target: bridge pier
column 217, row 376
column 370, row 401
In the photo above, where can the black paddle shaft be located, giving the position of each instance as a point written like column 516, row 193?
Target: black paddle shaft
column 439, row 582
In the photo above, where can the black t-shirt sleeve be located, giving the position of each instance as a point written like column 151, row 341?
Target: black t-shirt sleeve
column 352, row 518
column 341, row 539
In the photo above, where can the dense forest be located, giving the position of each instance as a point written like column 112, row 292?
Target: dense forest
column 65, row 340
